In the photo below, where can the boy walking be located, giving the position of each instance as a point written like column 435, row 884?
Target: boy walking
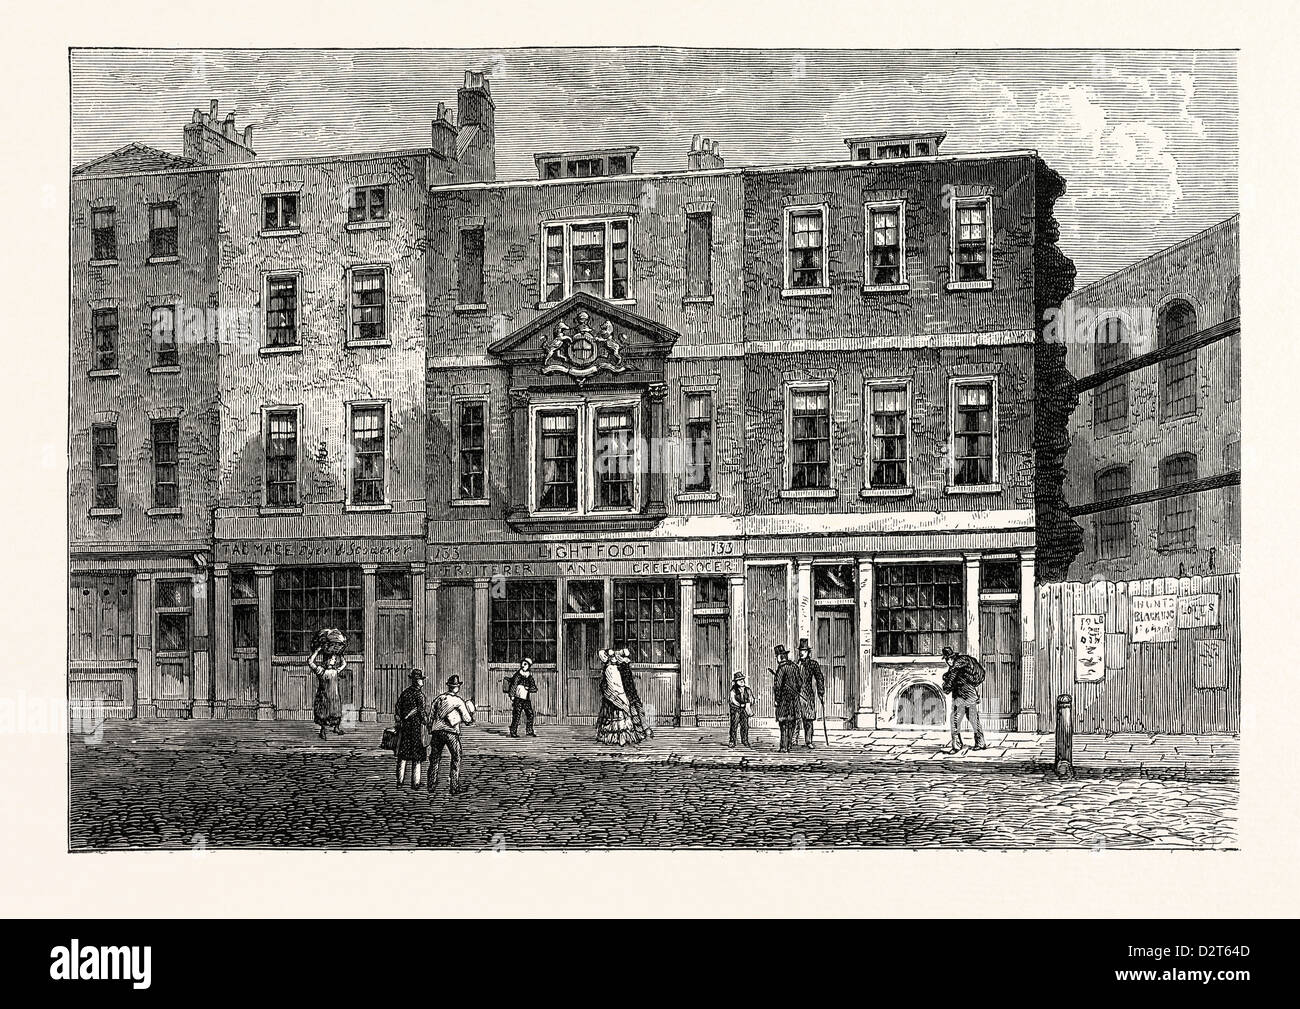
column 741, row 700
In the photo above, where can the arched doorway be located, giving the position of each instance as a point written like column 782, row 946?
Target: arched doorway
column 920, row 704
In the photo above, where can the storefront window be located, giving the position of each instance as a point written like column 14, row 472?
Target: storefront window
column 584, row 597
column 833, row 582
column 522, row 622
column 393, row 585
column 243, row 610
column 1000, row 576
column 710, row 593
column 645, row 620
column 919, row 609
column 305, row 600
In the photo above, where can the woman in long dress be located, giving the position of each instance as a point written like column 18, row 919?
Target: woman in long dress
column 327, row 663
column 615, row 726
column 624, row 659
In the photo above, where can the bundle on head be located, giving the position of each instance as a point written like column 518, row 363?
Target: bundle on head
column 331, row 641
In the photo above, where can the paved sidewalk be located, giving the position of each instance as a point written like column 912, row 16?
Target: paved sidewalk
column 1208, row 757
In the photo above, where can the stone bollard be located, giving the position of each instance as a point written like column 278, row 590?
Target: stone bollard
column 1065, row 736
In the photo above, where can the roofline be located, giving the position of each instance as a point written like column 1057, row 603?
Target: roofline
column 413, row 152
column 742, row 170
column 1155, row 255
column 908, row 135
column 589, row 151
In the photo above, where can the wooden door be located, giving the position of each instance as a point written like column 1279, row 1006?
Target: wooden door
column 173, row 626
column 712, row 681
column 582, row 669
column 769, row 625
column 393, row 659
column 1000, row 656
column 836, row 650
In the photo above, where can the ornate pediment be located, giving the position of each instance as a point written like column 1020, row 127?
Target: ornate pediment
column 584, row 337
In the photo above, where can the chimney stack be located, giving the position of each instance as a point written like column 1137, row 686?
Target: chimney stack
column 212, row 141
column 476, row 129
column 703, row 154
column 444, row 134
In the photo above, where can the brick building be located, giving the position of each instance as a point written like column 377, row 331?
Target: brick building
column 698, row 413
column 1153, row 471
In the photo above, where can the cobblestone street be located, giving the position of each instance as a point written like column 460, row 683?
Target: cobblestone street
column 181, row 790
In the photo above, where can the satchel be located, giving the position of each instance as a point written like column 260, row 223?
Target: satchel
column 389, row 740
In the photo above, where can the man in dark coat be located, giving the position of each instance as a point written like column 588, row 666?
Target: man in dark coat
column 812, row 689
column 786, row 692
column 962, row 679
column 411, row 719
column 521, row 688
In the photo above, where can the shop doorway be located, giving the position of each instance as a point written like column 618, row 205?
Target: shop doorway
column 173, row 658
column 712, row 682
column 835, row 642
column 394, row 655
column 584, row 637
column 1000, row 656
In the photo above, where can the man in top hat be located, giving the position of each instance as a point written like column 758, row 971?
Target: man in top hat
column 521, row 687
column 411, row 719
column 740, row 699
column 812, row 688
column 786, row 691
column 962, row 679
column 447, row 714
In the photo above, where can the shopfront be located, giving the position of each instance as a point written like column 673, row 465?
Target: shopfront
column 273, row 596
column 559, row 604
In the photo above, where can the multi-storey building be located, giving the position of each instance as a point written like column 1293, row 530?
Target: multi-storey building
column 1153, row 471
column 700, row 413
column 248, row 374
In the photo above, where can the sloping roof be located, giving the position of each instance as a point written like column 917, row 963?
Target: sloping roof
column 133, row 158
column 464, row 138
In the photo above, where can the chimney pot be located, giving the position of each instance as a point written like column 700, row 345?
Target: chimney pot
column 212, row 108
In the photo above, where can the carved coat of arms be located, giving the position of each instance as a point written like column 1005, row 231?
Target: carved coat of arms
column 581, row 351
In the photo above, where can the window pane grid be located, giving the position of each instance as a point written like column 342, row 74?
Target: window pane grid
column 615, row 458
column 805, row 248
column 886, row 247
column 473, row 449
column 282, row 458
column 1178, row 373
column 104, row 463
column 103, row 233
column 166, row 463
column 919, row 608
column 1177, row 515
column 103, row 323
column 1113, row 526
column 644, row 619
column 522, row 623
column 282, row 312
column 280, row 212
column 889, row 437
column 368, row 455
column 559, row 461
column 305, row 600
column 972, row 238
column 973, row 441
column 368, row 305
column 163, row 230
column 699, row 441
column 810, row 439
column 162, row 328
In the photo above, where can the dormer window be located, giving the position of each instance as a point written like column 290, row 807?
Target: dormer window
column 585, row 164
column 902, row 145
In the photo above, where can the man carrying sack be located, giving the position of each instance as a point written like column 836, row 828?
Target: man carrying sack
column 448, row 713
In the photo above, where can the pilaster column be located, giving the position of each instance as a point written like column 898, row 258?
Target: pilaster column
column 803, row 589
column 142, row 591
column 266, row 691
column 738, row 632
column 369, row 668
column 686, row 649
column 482, row 611
column 519, row 451
column 972, row 604
column 1027, row 719
column 221, row 640
column 865, row 717
column 417, row 615
column 430, row 656
column 200, row 645
column 657, row 396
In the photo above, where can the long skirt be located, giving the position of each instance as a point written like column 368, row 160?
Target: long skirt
column 327, row 705
column 639, row 722
column 615, row 727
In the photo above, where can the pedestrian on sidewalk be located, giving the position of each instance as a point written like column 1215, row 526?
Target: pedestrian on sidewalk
column 962, row 680
column 448, row 713
column 812, row 688
column 741, row 701
column 786, row 690
column 642, row 724
column 411, row 719
column 327, row 663
column 521, row 686
column 615, row 725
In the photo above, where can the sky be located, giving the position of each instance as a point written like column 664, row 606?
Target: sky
column 1146, row 140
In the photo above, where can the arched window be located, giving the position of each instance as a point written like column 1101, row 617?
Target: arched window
column 1110, row 348
column 1177, row 373
column 1177, row 514
column 1114, row 530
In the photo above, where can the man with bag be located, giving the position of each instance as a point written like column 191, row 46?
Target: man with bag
column 520, row 687
column 962, row 680
column 447, row 713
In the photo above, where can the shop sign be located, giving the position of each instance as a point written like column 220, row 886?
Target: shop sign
column 320, row 551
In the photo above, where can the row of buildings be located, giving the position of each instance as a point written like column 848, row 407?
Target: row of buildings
column 694, row 413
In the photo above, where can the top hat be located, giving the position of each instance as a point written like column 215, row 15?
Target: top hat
column 803, row 643
column 781, row 650
column 454, row 681
column 947, row 652
column 737, row 676
column 417, row 674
